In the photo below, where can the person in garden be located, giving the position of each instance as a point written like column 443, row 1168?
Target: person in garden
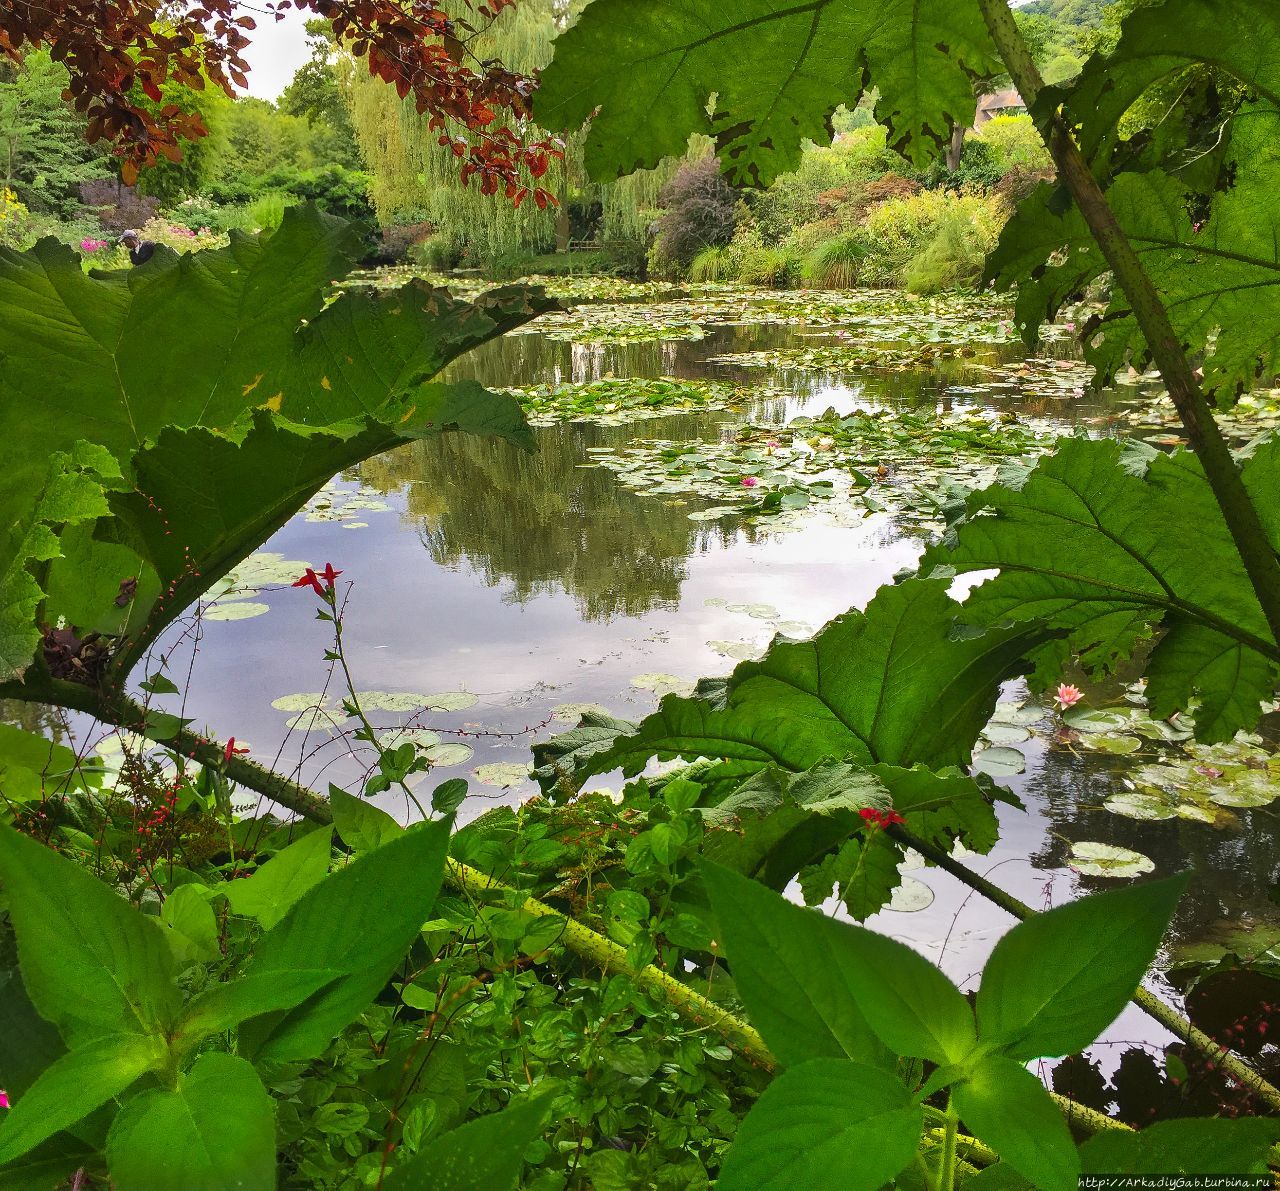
column 140, row 250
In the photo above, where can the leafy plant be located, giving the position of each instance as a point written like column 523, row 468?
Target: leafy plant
column 840, row 1005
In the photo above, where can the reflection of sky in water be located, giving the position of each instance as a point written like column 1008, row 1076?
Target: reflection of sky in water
column 532, row 581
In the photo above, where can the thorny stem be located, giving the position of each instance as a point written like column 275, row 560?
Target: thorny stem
column 1150, row 1004
column 1206, row 439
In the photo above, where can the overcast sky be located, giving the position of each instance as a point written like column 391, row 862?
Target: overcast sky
column 277, row 50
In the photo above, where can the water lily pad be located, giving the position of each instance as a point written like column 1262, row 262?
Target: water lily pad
column 317, row 719
column 300, row 701
column 449, row 700
column 235, row 610
column 1022, row 715
column 1093, row 859
column 1111, row 742
column 501, row 773
column 571, row 713
column 266, row 568
column 910, row 896
column 741, row 651
column 442, row 755
column 1138, row 804
column 1095, row 720
column 794, row 628
column 422, row 738
column 1006, row 733
column 757, row 611
column 999, row 761
column 663, row 684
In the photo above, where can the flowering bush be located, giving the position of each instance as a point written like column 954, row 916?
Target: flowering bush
column 15, row 220
column 177, row 236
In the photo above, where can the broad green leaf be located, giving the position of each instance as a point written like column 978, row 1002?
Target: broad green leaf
column 826, row 1123
column 189, row 921
column 486, row 1154
column 1219, row 277
column 74, row 1086
column 1185, row 1146
column 775, row 72
column 864, row 873
column 1003, row 1104
column 48, row 1167
column 65, row 490
column 359, row 921
column 855, row 690
column 215, row 1133
column 1084, row 545
column 232, row 366
column 361, row 825
column 818, row 988
column 278, row 884
column 1056, row 981
column 92, row 964
column 33, row 766
column 226, row 1005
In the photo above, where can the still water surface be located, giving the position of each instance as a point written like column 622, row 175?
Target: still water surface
column 531, row 581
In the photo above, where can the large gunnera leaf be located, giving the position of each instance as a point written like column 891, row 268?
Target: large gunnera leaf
column 890, row 685
column 1094, row 549
column 777, row 73
column 191, row 405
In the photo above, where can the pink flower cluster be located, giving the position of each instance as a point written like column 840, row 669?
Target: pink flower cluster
column 182, row 231
column 88, row 245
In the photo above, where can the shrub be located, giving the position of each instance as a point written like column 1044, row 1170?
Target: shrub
column 266, row 212
column 181, row 239
column 837, row 263
column 900, row 230
column 712, row 264
column 435, row 252
column 1014, row 143
column 700, row 213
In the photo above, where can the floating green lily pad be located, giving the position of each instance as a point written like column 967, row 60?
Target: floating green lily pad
column 740, row 651
column 501, row 774
column 1111, row 742
column 1096, row 720
column 317, row 719
column 301, row 701
column 999, row 761
column 1093, row 859
column 1006, row 733
column 235, row 610
column 422, row 738
column 1137, row 804
column 444, row 755
column 663, row 684
column 571, row 713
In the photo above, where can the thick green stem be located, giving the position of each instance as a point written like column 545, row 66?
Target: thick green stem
column 947, row 1160
column 1150, row 1004
column 1206, row 439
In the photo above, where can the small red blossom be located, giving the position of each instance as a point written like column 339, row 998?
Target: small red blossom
column 231, row 750
column 313, row 580
column 875, row 817
column 749, row 481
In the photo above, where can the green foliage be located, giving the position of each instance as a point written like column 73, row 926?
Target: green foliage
column 799, row 972
column 837, row 263
column 1083, row 545
column 776, row 73
column 43, row 154
column 227, row 386
column 1206, row 235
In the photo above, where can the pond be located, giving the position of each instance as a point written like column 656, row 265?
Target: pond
column 495, row 592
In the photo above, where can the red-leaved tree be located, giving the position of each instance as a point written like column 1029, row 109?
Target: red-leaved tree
column 120, row 50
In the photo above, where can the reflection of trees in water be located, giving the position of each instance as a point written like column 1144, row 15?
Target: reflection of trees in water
column 543, row 523
column 1234, row 867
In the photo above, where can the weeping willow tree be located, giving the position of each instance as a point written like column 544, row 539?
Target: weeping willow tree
column 415, row 180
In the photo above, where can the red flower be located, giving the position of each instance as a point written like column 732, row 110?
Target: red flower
column 231, row 750
column 312, row 580
column 877, row 818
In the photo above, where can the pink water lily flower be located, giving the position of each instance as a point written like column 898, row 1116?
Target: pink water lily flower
column 4, row 1099
column 749, row 481
column 1068, row 696
column 772, row 445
